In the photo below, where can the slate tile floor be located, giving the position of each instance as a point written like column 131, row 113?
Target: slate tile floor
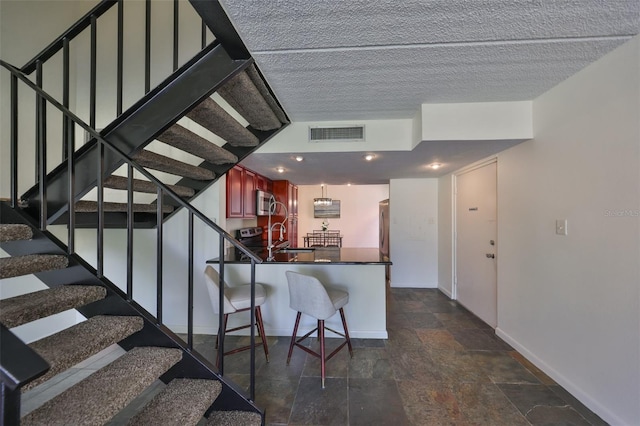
column 440, row 366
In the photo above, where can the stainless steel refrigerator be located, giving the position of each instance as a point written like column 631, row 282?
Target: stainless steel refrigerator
column 384, row 220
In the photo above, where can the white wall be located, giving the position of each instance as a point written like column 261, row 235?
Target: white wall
column 414, row 232
column 358, row 222
column 571, row 303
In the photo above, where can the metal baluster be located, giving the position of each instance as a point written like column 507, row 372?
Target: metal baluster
column 203, row 35
column 68, row 148
column 93, row 71
column 176, row 9
column 252, row 375
column 120, row 57
column 65, row 94
column 221, row 331
column 130, row 232
column 100, row 259
column 147, row 47
column 14, row 141
column 41, row 153
column 190, row 290
column 159, row 225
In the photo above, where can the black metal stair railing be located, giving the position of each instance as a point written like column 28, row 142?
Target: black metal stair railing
column 132, row 128
column 90, row 22
column 42, row 100
column 63, row 44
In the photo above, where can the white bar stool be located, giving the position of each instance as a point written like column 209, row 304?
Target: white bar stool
column 308, row 296
column 236, row 299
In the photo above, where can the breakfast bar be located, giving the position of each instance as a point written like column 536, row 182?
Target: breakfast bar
column 359, row 271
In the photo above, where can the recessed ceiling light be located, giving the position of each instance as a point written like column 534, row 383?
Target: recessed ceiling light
column 299, row 157
column 369, row 157
column 434, row 166
column 280, row 169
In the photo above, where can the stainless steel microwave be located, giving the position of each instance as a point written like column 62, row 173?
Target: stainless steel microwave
column 262, row 202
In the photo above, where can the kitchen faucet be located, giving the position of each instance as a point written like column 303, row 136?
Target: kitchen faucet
column 273, row 206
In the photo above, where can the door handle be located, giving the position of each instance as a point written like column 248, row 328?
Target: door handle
column 491, row 256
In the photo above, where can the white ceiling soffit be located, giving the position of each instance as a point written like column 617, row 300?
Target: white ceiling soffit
column 350, row 60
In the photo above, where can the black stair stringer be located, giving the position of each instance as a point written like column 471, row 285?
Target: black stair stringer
column 139, row 125
column 193, row 365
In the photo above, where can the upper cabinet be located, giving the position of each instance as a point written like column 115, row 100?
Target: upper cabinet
column 235, row 192
column 249, row 193
column 241, row 192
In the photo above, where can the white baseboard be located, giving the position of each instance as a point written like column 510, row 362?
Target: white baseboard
column 412, row 285
column 446, row 292
column 574, row 390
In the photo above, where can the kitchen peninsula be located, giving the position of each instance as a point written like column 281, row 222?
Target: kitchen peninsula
column 359, row 271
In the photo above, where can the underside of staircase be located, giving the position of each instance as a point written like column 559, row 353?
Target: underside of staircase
column 152, row 353
column 244, row 91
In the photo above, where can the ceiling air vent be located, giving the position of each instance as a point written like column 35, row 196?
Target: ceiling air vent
column 336, row 134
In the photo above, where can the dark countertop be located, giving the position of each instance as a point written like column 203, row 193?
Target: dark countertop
column 329, row 255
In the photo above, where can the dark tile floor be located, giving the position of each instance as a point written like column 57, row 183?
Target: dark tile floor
column 440, row 366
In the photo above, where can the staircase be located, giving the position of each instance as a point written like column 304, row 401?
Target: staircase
column 245, row 91
column 103, row 394
column 94, row 186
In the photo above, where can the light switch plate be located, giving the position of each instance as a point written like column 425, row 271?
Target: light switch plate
column 561, row 227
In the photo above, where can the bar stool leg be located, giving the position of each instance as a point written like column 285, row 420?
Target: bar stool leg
column 220, row 331
column 224, row 327
column 346, row 331
column 321, row 337
column 260, row 325
column 293, row 338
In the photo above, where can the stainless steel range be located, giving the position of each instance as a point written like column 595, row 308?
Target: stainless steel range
column 252, row 239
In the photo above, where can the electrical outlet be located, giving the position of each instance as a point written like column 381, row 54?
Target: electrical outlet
column 561, row 227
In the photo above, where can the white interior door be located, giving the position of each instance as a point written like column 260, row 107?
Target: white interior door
column 476, row 283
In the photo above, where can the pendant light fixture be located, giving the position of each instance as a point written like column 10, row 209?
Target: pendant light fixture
column 322, row 201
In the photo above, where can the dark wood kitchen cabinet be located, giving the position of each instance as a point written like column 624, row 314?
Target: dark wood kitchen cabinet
column 286, row 193
column 241, row 192
column 249, row 193
column 235, row 192
column 263, row 183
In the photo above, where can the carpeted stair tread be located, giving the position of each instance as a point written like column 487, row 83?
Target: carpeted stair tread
column 252, row 71
column 139, row 185
column 29, row 307
column 169, row 165
column 184, row 139
column 15, row 232
column 214, row 118
column 233, row 418
column 74, row 344
column 30, row 264
column 182, row 402
column 92, row 207
column 102, row 395
column 243, row 95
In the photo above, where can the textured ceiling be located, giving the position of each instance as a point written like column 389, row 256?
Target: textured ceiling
column 362, row 59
